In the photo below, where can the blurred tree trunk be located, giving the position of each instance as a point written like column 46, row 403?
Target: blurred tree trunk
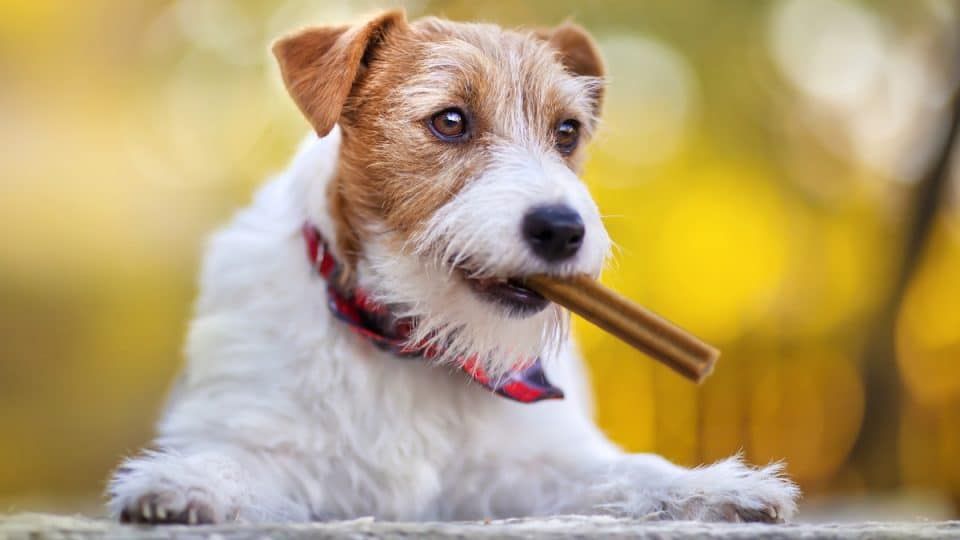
column 875, row 453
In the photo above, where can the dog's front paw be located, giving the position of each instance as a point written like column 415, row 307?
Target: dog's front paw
column 164, row 488
column 167, row 508
column 732, row 491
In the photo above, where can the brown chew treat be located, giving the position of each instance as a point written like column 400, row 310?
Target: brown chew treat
column 635, row 325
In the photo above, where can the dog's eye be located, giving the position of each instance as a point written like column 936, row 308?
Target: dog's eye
column 567, row 136
column 449, row 124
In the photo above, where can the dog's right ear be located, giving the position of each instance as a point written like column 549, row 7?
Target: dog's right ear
column 578, row 53
column 320, row 65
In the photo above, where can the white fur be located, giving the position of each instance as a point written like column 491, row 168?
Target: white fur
column 283, row 414
column 482, row 223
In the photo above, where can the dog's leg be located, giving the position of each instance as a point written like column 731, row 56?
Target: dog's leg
column 642, row 486
column 646, row 485
column 212, row 486
column 552, row 459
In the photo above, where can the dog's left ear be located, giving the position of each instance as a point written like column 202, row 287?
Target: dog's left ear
column 320, row 65
column 577, row 51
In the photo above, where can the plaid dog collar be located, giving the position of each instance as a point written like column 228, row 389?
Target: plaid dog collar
column 375, row 323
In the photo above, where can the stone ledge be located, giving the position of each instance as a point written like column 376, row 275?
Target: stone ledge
column 45, row 526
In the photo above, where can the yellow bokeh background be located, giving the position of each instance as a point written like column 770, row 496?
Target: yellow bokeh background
column 758, row 169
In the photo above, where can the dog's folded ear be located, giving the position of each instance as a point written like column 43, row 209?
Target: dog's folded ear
column 320, row 65
column 576, row 51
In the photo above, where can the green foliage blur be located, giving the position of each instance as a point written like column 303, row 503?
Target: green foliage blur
column 758, row 169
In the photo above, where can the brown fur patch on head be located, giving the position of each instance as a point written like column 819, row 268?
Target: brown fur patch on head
column 514, row 88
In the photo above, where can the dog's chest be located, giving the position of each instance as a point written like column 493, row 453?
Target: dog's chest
column 388, row 425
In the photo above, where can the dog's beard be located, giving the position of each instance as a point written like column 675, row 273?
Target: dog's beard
column 449, row 316
column 477, row 234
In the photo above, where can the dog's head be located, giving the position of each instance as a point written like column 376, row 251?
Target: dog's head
column 461, row 145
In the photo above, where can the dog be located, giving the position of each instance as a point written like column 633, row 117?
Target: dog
column 363, row 343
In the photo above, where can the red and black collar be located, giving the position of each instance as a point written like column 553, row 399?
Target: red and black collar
column 374, row 322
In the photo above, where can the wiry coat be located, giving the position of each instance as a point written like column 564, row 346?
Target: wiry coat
column 283, row 414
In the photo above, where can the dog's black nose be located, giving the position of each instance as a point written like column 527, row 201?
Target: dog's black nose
column 553, row 232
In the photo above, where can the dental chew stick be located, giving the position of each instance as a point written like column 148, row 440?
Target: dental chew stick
column 630, row 322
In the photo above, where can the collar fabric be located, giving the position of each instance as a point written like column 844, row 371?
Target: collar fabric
column 375, row 323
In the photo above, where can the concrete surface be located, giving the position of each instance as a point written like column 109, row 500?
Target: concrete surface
column 48, row 526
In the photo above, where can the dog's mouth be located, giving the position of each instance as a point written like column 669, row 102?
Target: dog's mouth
column 507, row 292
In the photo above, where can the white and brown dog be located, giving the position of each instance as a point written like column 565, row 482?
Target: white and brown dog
column 363, row 342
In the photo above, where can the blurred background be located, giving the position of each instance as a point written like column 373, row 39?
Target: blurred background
column 771, row 171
